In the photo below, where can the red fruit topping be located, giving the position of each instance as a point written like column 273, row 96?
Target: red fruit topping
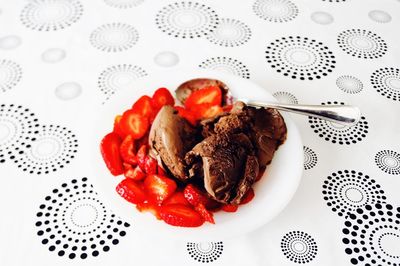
column 177, row 198
column 195, row 196
column 207, row 216
column 229, row 208
column 206, row 110
column 162, row 97
column 150, row 165
column 160, row 170
column 135, row 173
column 248, row 196
column 188, row 115
column 141, row 157
column 149, row 207
column 159, row 188
column 227, row 108
column 109, row 148
column 134, row 124
column 117, row 128
column 144, row 107
column 210, row 95
column 131, row 191
column 180, row 215
column 127, row 150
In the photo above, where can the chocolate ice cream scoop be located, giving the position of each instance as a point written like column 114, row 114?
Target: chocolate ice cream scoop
column 171, row 137
column 227, row 164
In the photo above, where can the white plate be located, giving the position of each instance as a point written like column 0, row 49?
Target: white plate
column 273, row 191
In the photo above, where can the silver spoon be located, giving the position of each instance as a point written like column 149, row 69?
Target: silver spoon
column 342, row 114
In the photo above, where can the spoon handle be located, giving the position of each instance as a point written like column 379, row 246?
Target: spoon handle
column 342, row 114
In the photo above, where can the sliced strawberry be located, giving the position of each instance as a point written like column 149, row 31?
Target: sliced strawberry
column 149, row 207
column 135, row 173
column 180, row 215
column 127, row 150
column 229, row 208
column 144, row 107
column 195, row 196
column 248, row 196
column 206, row 110
column 177, row 198
column 117, row 128
column 207, row 216
column 160, row 170
column 210, row 95
column 109, row 148
column 134, row 124
column 159, row 188
column 188, row 115
column 150, row 165
column 162, row 97
column 131, row 191
column 141, row 157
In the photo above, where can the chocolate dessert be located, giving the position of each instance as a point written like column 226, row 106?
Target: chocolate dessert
column 225, row 152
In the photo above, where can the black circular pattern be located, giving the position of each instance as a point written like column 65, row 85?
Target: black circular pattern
column 114, row 37
column 300, row 58
column 347, row 190
column 18, row 125
column 310, row 158
column 336, row 133
column 285, row 97
column 275, row 10
column 386, row 81
column 332, row 1
column 362, row 43
column 230, row 33
column 51, row 15
column 10, row 74
column 123, row 3
column 118, row 77
column 73, row 223
column 299, row 247
column 187, row 20
column 51, row 148
column 372, row 235
column 388, row 161
column 349, row 84
column 226, row 64
column 205, row 252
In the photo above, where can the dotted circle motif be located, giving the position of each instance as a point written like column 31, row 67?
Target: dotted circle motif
column 372, row 235
column 299, row 247
column 205, row 252
column 114, row 37
column 388, row 161
column 300, row 58
column 275, row 10
column 310, row 158
column 333, row 1
column 123, row 3
column 51, row 148
column 230, row 33
column 73, row 223
column 339, row 134
column 18, row 125
column 386, row 81
column 187, row 20
column 362, row 44
column 226, row 64
column 118, row 77
column 10, row 74
column 51, row 15
column 285, row 97
column 347, row 190
column 349, row 84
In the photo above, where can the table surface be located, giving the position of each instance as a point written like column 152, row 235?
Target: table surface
column 59, row 58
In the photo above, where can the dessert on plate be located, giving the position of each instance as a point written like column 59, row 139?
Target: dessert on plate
column 184, row 162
